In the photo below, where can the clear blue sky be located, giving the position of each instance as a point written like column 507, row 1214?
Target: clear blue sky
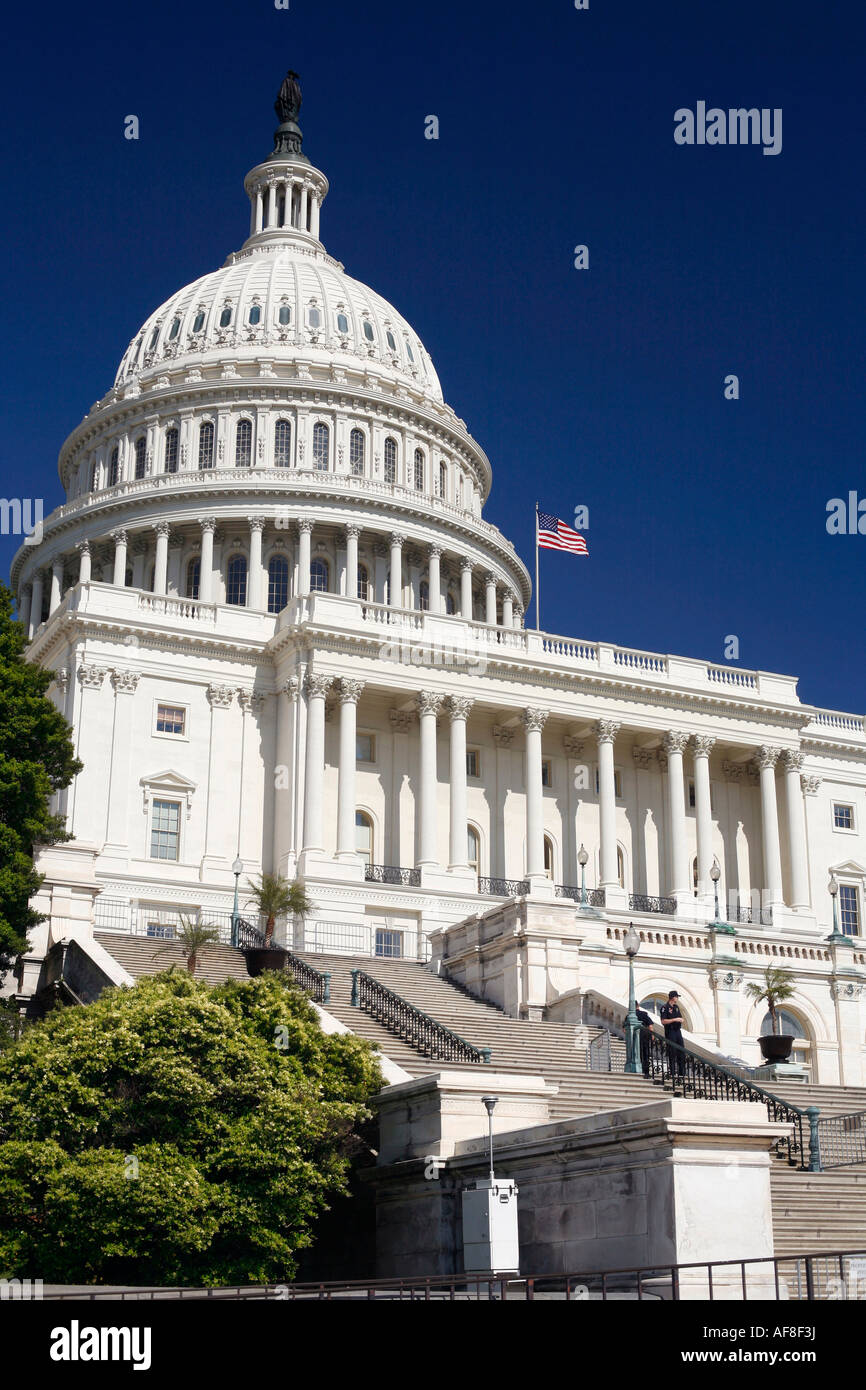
column 603, row 387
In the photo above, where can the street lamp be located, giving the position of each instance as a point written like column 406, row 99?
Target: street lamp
column 718, row 925
column 237, row 870
column 836, row 938
column 631, row 942
column 583, row 860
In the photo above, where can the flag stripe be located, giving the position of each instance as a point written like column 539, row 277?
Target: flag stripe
column 554, row 534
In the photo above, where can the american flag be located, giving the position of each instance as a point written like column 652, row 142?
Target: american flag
column 556, row 535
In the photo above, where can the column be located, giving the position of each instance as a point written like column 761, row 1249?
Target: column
column 256, row 578
column 507, row 609
column 287, row 204
column 518, row 616
column 117, row 809
column 304, row 196
column 428, row 708
column 796, row 816
column 316, row 688
column 56, row 584
column 84, row 562
column 205, row 577
column 259, row 210
column 434, row 578
column 459, row 707
column 767, row 759
column 36, row 603
column 606, row 731
column 466, row 588
column 490, row 599
column 533, row 722
column 703, row 811
column 24, row 605
column 352, row 534
column 160, row 569
column 314, row 221
column 119, row 538
column 673, row 744
column 395, row 587
column 305, row 531
column 350, row 693
column 272, row 204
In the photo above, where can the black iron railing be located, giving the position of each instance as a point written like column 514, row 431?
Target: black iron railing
column 645, row 902
column 594, row 897
column 503, row 887
column 392, row 873
column 676, row 1069
column 405, row 1021
column 316, row 983
column 598, row 1053
column 246, row 936
column 753, row 915
column 842, row 1139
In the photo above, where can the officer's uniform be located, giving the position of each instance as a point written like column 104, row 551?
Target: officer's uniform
column 672, row 1019
column 646, row 1023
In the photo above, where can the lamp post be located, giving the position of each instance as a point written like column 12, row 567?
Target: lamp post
column 489, row 1103
column 582, row 859
column 237, row 870
column 632, row 946
column 836, row 938
column 718, row 925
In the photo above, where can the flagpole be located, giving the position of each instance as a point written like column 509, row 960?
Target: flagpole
column 537, row 593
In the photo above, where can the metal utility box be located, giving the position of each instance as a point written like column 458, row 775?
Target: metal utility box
column 490, row 1243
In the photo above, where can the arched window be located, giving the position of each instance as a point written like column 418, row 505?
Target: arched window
column 244, row 444
column 315, row 317
column 342, row 323
column 283, row 444
column 94, row 477
column 418, row 472
column 548, row 856
column 443, row 482
column 363, row 582
column 205, row 445
column 368, row 331
column 390, row 460
column 171, row 451
column 226, row 316
column 255, row 314
column 473, row 849
column 193, row 577
column 409, row 352
column 450, row 603
column 153, row 339
column 140, row 457
column 321, row 447
column 788, row 1023
column 278, row 583
column 364, row 836
column 424, row 596
column 114, row 466
column 198, row 322
column 620, row 867
column 174, row 330
column 236, row 581
column 151, row 577
column 356, row 453
column 284, row 315
column 319, row 576
column 392, row 342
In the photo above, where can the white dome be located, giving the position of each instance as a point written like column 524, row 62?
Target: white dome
column 282, row 301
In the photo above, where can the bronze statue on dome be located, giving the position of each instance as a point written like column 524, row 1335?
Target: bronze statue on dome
column 288, row 102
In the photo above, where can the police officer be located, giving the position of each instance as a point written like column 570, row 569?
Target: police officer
column 672, row 1021
column 646, row 1024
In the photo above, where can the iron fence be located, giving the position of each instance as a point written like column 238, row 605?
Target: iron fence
column 410, row 1024
column 842, row 1139
column 753, row 915
column 588, row 897
column 316, row 983
column 598, row 1053
column 393, row 874
column 644, row 902
column 361, row 939
column 503, row 887
column 164, row 923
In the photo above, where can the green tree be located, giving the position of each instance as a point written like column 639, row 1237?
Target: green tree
column 174, row 1133
column 36, row 760
column 776, row 985
column 194, row 938
column 274, row 896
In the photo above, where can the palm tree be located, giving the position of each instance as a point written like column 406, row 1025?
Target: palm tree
column 193, row 938
column 776, row 986
column 274, row 897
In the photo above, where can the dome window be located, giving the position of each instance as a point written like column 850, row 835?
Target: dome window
column 315, row 318
column 244, row 444
column 342, row 323
column 319, row 577
column 418, row 477
column 236, row 581
column 283, row 444
column 409, row 352
column 174, row 330
column 193, row 577
column 198, row 324
column 356, row 453
column 255, row 315
column 226, row 316
column 140, row 457
column 153, row 339
column 368, row 331
column 278, row 583
column 205, row 445
column 392, row 342
column 321, row 447
column 171, row 451
column 390, row 460
column 114, row 467
column 285, row 315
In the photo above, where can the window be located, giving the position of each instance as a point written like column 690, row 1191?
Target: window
column 284, row 315
column 418, row 471
column 787, row 1022
column 164, row 931
column 315, row 317
column 236, row 581
column 205, row 445
column 473, row 849
column 365, row 748
column 392, row 343
column 171, row 451
column 390, row 460
column 165, row 830
column 424, row 596
column 546, row 772
column 473, row 762
column 244, row 444
column 174, row 330
column 278, row 583
column 94, row 477
column 226, row 316
column 450, row 603
column 198, row 322
column 342, row 323
column 255, row 314
column 443, row 482
column 114, row 466
column 283, row 444
column 548, row 856
column 843, row 816
column 321, row 447
column 193, row 577
column 617, row 784
column 389, row 943
column 849, row 909
column 140, row 457
column 363, row 582
column 319, row 577
column 356, row 453
column 368, row 331
column 153, row 339
column 409, row 352
column 170, row 719
column 691, row 794
column 364, row 836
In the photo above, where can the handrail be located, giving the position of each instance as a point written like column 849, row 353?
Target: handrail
column 843, row 1139
column 587, row 897
column 392, row 873
column 316, row 983
column 664, row 1062
column 503, row 887
column 411, row 1024
column 246, row 936
column 598, row 1053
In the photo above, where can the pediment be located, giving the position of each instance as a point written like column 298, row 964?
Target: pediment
column 849, row 868
column 169, row 779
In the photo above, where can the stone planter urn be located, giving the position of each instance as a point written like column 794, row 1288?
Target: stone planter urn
column 776, row 1047
column 261, row 958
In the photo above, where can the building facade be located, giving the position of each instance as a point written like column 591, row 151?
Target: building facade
column 284, row 634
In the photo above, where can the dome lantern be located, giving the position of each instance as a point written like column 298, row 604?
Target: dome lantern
column 286, row 191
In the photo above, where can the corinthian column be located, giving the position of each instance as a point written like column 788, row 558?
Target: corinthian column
column 352, row 534
column 606, row 731
column 256, row 579
column 466, row 588
column 160, row 569
column 674, row 744
column 350, row 694
column 703, row 746
column 305, row 531
column 767, row 759
column 797, row 849
column 459, row 708
column 317, row 688
column 428, row 708
column 534, row 721
column 434, row 580
column 205, row 576
column 119, row 538
column 83, row 548
column 395, row 583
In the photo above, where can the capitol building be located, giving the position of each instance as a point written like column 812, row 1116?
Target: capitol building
column 286, row 638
